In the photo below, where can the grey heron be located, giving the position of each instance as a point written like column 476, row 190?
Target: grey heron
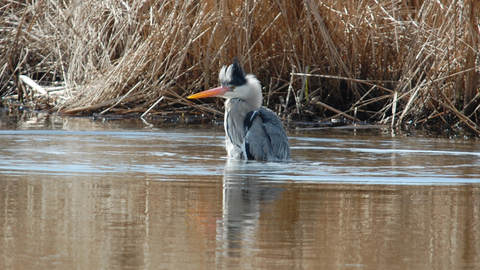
column 252, row 132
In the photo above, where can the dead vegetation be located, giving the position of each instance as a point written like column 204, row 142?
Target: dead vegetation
column 397, row 63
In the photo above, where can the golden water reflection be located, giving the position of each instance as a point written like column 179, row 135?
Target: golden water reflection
column 234, row 221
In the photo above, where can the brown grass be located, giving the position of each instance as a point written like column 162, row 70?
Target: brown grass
column 391, row 62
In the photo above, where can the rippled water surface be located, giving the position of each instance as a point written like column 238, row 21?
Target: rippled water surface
column 83, row 194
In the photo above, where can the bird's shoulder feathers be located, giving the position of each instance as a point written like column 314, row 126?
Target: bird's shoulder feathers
column 265, row 137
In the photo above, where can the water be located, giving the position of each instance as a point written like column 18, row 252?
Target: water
column 78, row 194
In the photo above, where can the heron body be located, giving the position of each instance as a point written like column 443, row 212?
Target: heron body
column 252, row 132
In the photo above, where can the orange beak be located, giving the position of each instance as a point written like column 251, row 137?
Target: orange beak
column 215, row 92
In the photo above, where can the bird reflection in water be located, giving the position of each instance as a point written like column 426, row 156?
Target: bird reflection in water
column 245, row 197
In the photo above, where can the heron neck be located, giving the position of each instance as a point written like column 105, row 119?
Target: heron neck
column 240, row 107
column 235, row 112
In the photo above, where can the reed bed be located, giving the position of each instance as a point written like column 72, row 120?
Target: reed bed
column 396, row 63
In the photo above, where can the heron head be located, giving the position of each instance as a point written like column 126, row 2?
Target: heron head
column 235, row 83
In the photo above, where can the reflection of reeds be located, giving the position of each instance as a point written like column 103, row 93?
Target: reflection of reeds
column 389, row 61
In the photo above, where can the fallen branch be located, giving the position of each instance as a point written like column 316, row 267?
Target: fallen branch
column 32, row 84
column 334, row 110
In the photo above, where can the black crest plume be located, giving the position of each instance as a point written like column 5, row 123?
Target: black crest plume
column 233, row 75
column 238, row 74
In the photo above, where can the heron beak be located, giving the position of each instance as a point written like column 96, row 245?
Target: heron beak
column 215, row 92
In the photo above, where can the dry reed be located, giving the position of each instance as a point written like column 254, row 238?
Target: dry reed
column 391, row 62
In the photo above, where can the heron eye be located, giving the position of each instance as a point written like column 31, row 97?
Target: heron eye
column 233, row 87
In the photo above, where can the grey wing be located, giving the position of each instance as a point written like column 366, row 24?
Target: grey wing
column 266, row 139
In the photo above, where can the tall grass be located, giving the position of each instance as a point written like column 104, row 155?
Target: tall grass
column 392, row 62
